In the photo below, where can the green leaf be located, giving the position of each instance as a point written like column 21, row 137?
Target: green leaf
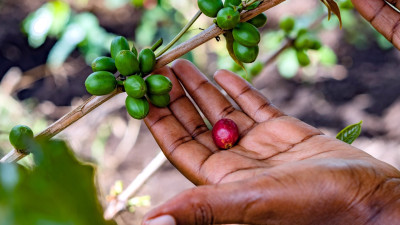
column 350, row 133
column 229, row 47
column 61, row 15
column 50, row 19
column 58, row 190
column 37, row 25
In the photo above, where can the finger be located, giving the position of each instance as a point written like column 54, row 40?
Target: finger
column 395, row 3
column 252, row 102
column 280, row 196
column 205, row 205
column 185, row 112
column 210, row 101
column 186, row 154
column 385, row 19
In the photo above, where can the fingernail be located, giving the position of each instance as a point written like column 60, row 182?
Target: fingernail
column 162, row 220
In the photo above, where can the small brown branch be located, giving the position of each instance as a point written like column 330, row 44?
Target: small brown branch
column 287, row 43
column 163, row 60
column 79, row 112
column 271, row 58
column 119, row 204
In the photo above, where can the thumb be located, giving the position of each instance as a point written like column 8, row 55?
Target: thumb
column 211, row 204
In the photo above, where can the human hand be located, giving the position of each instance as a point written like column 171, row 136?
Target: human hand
column 282, row 171
column 383, row 17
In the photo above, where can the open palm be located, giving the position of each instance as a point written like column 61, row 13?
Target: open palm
column 279, row 165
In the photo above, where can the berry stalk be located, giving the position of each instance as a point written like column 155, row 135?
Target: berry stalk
column 180, row 34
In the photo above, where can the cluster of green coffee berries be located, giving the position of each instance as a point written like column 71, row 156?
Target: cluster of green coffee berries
column 131, row 67
column 246, row 36
column 303, row 40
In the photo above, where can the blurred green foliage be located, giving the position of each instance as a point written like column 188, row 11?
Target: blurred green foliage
column 48, row 20
column 49, row 193
column 56, row 19
column 82, row 30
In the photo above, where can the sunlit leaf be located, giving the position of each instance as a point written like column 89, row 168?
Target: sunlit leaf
column 61, row 14
column 350, row 133
column 37, row 25
column 50, row 19
column 73, row 35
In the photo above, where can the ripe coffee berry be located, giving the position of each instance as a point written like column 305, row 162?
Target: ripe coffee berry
column 225, row 133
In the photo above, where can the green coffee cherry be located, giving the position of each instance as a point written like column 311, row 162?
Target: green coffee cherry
column 287, row 24
column 127, row 63
column 135, row 86
column 158, row 84
column 315, row 45
column 301, row 31
column 259, row 20
column 147, row 61
column 244, row 53
column 118, row 44
column 210, row 8
column 230, row 3
column 100, row 83
column 228, row 18
column 304, row 41
column 138, row 108
column 246, row 34
column 160, row 101
column 103, row 63
column 303, row 58
column 20, row 136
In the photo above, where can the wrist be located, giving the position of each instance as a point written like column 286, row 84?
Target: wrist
column 385, row 206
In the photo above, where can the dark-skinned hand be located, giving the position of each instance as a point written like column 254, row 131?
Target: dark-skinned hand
column 282, row 170
column 383, row 17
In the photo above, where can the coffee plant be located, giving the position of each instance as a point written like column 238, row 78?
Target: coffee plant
column 53, row 179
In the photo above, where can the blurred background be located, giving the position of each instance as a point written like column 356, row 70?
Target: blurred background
column 46, row 48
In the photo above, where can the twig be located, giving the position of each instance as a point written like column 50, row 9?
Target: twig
column 119, row 204
column 271, row 58
column 125, row 144
column 180, row 34
column 163, row 60
column 287, row 43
